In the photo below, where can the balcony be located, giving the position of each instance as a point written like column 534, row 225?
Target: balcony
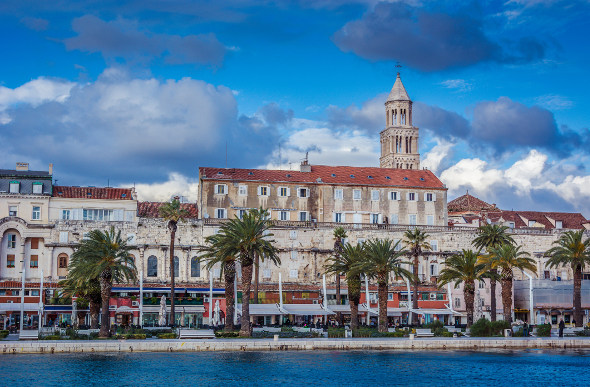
column 177, row 301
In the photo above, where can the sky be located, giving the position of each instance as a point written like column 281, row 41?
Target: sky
column 142, row 93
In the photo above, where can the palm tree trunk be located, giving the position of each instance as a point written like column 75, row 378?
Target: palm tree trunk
column 354, row 297
column 493, row 295
column 256, row 278
column 105, row 294
column 245, row 330
column 338, row 299
column 507, row 298
column 578, row 316
column 382, row 294
column 230, row 277
column 415, row 297
column 94, row 308
column 469, row 296
column 172, row 320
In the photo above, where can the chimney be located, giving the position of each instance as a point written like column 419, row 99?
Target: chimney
column 22, row 166
column 51, row 168
column 305, row 166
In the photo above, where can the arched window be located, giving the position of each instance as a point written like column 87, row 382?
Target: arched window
column 152, row 266
column 62, row 261
column 132, row 259
column 176, row 266
column 195, row 267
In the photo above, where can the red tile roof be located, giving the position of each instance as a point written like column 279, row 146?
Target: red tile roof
column 467, row 203
column 569, row 220
column 152, row 209
column 323, row 174
column 107, row 193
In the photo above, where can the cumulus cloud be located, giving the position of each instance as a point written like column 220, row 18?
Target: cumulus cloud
column 370, row 116
column 176, row 185
column 438, row 157
column 120, row 128
column 429, row 39
column 125, row 39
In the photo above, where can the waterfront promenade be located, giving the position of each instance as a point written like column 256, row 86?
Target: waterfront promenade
column 217, row 345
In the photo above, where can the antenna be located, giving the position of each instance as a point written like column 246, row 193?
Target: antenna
column 108, row 183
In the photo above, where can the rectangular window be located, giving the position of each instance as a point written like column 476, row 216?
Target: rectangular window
column 101, row 215
column 34, row 293
column 10, row 260
column 34, row 243
column 412, row 196
column 293, row 254
column 375, row 218
column 375, row 195
column 430, row 220
column 511, row 224
column 37, row 188
column 412, row 219
column 263, row 190
column 34, row 261
column 293, row 273
column 14, row 187
column 482, row 285
column 293, row 234
column 12, row 211
column 558, row 224
column 283, row 191
column 389, row 296
column 338, row 194
column 283, row 215
column 457, row 303
column 394, row 219
column 243, row 190
column 12, row 241
column 429, row 197
column 36, row 213
column 241, row 213
column 433, row 270
column 425, row 296
column 63, row 237
column 356, row 194
column 394, row 195
column 221, row 189
column 338, row 217
column 266, row 273
column 303, row 192
column 546, row 274
column 221, row 213
column 434, row 245
column 66, row 215
column 532, row 223
column 303, row 216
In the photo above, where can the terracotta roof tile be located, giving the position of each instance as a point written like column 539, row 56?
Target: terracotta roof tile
column 103, row 193
column 152, row 209
column 469, row 203
column 323, row 174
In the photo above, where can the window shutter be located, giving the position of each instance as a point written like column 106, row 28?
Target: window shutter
column 288, row 191
column 425, row 196
column 398, row 196
column 76, row 214
column 380, row 220
column 343, row 217
column 434, row 197
column 258, row 191
column 333, row 217
column 408, row 196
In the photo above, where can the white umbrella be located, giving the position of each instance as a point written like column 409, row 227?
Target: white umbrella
column 74, row 317
column 216, row 313
column 162, row 317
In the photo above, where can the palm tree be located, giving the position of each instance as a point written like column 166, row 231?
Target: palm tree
column 415, row 241
column 491, row 236
column 348, row 262
column 339, row 235
column 572, row 250
column 173, row 213
column 464, row 268
column 86, row 288
column 381, row 258
column 508, row 257
column 104, row 256
column 212, row 253
column 243, row 238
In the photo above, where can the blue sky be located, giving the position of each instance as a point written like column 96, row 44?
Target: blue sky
column 144, row 92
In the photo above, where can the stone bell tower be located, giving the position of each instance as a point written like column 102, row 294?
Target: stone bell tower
column 399, row 139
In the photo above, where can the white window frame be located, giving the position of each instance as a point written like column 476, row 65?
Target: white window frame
column 11, row 241
column 429, row 197
column 36, row 215
column 412, row 219
column 375, row 195
column 304, row 216
column 430, row 220
column 434, row 245
column 265, row 188
column 12, row 210
column 293, row 254
column 66, row 214
column 63, row 237
column 223, row 212
column 558, row 224
column 266, row 273
column 284, row 215
column 338, row 217
column 357, row 194
column 375, row 218
column 37, row 188
column 241, row 213
column 338, row 194
column 280, row 192
column 411, row 196
column 242, row 190
column 302, row 189
column 14, row 187
column 394, row 219
column 220, row 189
column 394, row 195
column 293, row 273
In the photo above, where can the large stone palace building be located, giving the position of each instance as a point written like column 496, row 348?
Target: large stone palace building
column 41, row 224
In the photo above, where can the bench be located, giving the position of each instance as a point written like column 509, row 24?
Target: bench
column 267, row 329
column 28, row 335
column 420, row 332
column 196, row 334
column 453, row 329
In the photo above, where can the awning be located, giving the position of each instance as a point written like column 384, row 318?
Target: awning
column 307, row 309
column 263, row 310
column 125, row 309
column 15, row 307
column 345, row 309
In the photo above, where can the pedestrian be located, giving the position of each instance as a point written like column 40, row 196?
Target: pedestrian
column 525, row 330
column 561, row 327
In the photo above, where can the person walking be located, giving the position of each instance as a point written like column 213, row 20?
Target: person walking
column 561, row 327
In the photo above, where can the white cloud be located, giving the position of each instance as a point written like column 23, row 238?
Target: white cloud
column 554, row 102
column 434, row 158
column 176, row 185
column 457, row 84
